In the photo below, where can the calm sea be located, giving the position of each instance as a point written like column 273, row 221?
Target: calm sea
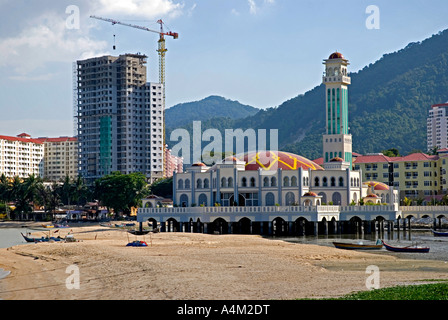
column 438, row 245
column 11, row 236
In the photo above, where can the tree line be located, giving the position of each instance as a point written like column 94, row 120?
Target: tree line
column 116, row 191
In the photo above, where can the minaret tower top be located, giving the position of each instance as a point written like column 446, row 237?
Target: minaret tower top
column 337, row 142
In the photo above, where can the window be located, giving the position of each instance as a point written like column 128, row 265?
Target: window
column 273, row 182
column 324, row 182
column 199, row 184
column 316, row 182
column 252, row 182
column 286, row 181
column 244, row 182
column 333, row 182
column 206, row 184
column 294, row 182
column 266, row 182
column 341, row 181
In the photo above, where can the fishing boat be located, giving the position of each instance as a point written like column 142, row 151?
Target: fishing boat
column 439, row 233
column 137, row 243
column 358, row 246
column 139, row 232
column 61, row 225
column 42, row 239
column 47, row 226
column 411, row 248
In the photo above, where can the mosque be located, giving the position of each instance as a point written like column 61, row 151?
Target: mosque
column 266, row 189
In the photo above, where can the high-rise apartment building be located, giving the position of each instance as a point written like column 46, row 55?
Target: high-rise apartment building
column 119, row 117
column 60, row 158
column 21, row 156
column 437, row 127
column 172, row 163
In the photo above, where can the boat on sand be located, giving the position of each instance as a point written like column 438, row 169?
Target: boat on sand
column 358, row 246
column 411, row 248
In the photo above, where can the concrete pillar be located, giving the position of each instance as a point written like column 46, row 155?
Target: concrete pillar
column 261, row 227
column 325, row 227
column 270, row 227
column 315, row 228
column 205, row 228
column 290, row 227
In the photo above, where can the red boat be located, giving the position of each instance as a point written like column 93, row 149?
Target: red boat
column 411, row 248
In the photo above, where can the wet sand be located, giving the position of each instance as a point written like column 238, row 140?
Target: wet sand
column 191, row 266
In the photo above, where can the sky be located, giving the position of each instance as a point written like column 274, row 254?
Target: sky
column 258, row 52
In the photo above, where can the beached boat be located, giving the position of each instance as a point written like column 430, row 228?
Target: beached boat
column 137, row 244
column 411, row 248
column 439, row 233
column 42, row 239
column 56, row 225
column 358, row 246
column 47, row 226
column 139, row 232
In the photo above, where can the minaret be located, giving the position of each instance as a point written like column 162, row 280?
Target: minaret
column 337, row 142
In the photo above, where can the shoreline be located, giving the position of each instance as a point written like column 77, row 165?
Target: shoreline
column 189, row 266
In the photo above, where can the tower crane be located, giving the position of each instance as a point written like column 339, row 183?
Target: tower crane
column 162, row 52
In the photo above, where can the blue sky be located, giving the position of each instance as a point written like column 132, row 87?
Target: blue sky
column 259, row 52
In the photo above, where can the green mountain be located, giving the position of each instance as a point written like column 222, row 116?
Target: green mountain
column 208, row 108
column 388, row 104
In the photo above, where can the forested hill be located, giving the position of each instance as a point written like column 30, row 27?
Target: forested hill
column 388, row 104
column 208, row 108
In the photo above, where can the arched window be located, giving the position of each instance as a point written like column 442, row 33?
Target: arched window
column 273, row 182
column 336, row 198
column 294, row 182
column 324, row 182
column 206, row 184
column 324, row 197
column 199, row 184
column 266, row 182
column 270, row 199
column 223, row 182
column 341, row 181
column 203, row 199
column 252, row 182
column 387, row 198
column 316, row 182
column 307, row 181
column 230, row 183
column 351, row 182
column 357, row 182
column 333, row 182
column 184, row 200
column 244, row 182
column 290, row 199
column 180, row 184
column 286, row 181
column 304, row 181
column 187, row 184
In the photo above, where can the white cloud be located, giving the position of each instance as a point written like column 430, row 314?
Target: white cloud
column 235, row 12
column 139, row 8
column 253, row 8
column 47, row 40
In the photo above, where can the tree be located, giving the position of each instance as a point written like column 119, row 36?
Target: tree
column 5, row 192
column 163, row 187
column 120, row 191
column 393, row 152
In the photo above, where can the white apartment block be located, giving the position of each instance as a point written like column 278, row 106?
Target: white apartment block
column 119, row 117
column 437, row 127
column 60, row 158
column 21, row 156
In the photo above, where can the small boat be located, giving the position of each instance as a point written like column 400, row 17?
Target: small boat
column 439, row 233
column 137, row 244
column 138, row 232
column 61, row 225
column 47, row 226
column 358, row 246
column 42, row 239
column 412, row 248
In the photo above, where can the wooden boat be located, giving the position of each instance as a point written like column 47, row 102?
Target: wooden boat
column 411, row 248
column 138, row 232
column 355, row 246
column 47, row 226
column 42, row 239
column 61, row 225
column 137, row 244
column 439, row 233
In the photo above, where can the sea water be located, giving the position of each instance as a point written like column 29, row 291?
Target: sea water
column 438, row 245
column 11, row 237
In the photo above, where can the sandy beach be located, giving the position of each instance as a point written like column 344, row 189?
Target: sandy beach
column 191, row 266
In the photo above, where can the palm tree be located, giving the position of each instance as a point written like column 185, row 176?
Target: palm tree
column 5, row 192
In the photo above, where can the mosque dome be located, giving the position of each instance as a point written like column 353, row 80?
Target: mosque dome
column 336, row 55
column 310, row 194
column 377, row 186
column 337, row 159
column 273, row 160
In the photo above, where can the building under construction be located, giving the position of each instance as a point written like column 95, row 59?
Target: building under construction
column 119, row 117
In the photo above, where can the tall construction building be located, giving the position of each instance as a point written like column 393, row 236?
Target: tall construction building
column 119, row 117
column 437, row 127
